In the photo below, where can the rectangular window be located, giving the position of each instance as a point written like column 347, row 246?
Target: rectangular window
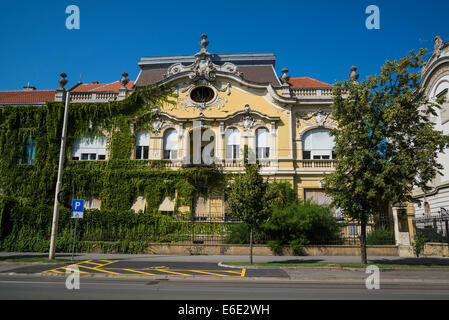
column 353, row 230
column 138, row 153
column 306, row 155
column 92, row 156
column 263, row 153
column 142, row 152
column 84, row 156
column 170, row 154
column 101, row 157
column 30, row 146
column 146, row 150
column 318, row 196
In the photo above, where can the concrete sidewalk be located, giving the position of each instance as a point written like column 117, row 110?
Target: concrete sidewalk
column 228, row 258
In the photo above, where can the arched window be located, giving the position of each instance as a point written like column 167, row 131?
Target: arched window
column 318, row 145
column 232, row 137
column 170, row 144
column 89, row 148
column 142, row 145
column 263, row 143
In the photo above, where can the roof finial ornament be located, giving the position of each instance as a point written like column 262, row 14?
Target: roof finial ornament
column 437, row 44
column 204, row 43
column 124, row 80
column 285, row 77
column 353, row 75
column 63, row 81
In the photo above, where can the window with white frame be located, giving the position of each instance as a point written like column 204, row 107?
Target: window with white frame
column 232, row 137
column 170, row 144
column 89, row 148
column 318, row 145
column 263, row 143
column 142, row 145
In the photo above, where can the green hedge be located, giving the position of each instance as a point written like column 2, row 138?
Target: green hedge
column 27, row 229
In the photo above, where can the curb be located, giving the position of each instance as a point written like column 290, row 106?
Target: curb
column 221, row 264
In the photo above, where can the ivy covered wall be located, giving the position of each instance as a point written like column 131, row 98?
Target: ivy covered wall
column 27, row 190
column 116, row 181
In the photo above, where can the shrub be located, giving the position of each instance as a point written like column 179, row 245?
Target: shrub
column 418, row 245
column 276, row 246
column 239, row 234
column 380, row 236
column 301, row 223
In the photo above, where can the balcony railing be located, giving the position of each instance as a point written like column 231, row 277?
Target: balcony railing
column 312, row 92
column 317, row 164
column 93, row 96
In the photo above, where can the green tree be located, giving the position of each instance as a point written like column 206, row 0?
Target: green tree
column 385, row 143
column 245, row 196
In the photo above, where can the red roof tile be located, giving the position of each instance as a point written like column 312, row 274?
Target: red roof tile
column 306, row 82
column 101, row 87
column 27, row 97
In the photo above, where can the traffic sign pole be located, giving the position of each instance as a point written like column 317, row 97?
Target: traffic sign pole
column 74, row 238
column 77, row 213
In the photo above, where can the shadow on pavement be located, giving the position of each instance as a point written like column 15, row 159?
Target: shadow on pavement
column 412, row 261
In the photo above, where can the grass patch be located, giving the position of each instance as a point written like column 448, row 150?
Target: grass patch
column 337, row 264
column 33, row 259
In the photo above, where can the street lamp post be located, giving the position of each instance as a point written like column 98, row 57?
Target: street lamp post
column 54, row 226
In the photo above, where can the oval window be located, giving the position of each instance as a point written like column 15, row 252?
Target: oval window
column 202, row 94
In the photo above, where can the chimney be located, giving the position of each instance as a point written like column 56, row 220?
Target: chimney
column 28, row 88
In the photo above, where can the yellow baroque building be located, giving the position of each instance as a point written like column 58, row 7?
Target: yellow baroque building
column 233, row 100
column 236, row 100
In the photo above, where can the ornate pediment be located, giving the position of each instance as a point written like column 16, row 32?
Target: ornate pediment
column 319, row 117
column 248, row 121
column 158, row 123
column 203, row 67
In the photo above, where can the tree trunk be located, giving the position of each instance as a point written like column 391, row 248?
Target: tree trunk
column 251, row 246
column 364, row 259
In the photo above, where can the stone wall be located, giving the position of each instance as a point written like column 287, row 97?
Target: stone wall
column 262, row 250
column 436, row 249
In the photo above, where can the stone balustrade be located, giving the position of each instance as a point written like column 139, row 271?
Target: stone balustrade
column 93, row 96
column 312, row 92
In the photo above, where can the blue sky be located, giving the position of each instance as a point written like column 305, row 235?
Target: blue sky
column 319, row 39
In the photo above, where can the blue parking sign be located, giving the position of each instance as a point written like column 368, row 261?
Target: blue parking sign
column 77, row 208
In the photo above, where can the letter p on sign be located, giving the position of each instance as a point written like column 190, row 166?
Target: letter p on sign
column 77, row 208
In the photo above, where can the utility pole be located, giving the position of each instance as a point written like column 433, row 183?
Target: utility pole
column 54, row 226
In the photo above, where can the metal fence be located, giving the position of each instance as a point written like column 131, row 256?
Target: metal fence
column 434, row 228
column 379, row 232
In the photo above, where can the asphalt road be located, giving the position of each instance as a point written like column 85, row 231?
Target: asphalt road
column 25, row 287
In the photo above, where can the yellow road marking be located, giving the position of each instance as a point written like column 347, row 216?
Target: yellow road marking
column 54, row 270
column 181, row 274
column 243, row 272
column 214, row 274
column 98, row 264
column 236, row 272
column 97, row 269
column 66, row 268
column 108, row 262
column 137, row 271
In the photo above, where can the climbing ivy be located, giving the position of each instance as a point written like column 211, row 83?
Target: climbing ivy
column 116, row 181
